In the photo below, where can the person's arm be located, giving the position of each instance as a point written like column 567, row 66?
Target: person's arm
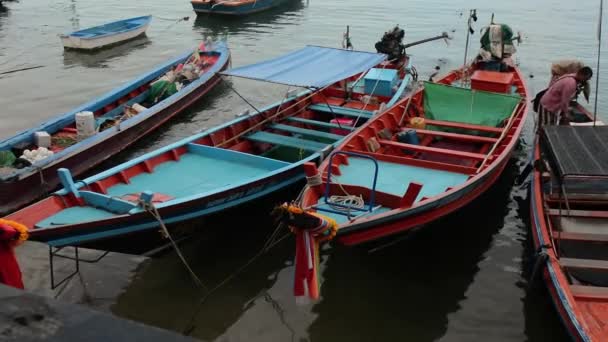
column 568, row 91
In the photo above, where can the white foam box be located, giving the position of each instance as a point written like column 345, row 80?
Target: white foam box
column 42, row 139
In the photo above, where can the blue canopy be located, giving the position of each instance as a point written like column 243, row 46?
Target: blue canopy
column 310, row 67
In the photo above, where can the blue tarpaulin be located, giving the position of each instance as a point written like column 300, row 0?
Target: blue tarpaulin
column 310, row 67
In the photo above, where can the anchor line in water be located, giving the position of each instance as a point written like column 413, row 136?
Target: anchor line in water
column 270, row 243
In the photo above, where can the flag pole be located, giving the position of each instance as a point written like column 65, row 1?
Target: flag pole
column 599, row 51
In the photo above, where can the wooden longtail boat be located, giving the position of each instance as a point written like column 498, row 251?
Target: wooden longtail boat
column 107, row 34
column 116, row 131
column 424, row 158
column 237, row 162
column 234, row 7
column 569, row 214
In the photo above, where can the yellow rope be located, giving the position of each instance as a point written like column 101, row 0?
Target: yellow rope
column 323, row 236
column 22, row 229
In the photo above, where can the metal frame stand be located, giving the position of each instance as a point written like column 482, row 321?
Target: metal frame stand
column 54, row 252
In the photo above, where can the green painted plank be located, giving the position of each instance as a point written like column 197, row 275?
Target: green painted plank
column 353, row 112
column 277, row 139
column 307, row 132
column 320, row 123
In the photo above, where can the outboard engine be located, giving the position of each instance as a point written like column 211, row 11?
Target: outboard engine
column 392, row 44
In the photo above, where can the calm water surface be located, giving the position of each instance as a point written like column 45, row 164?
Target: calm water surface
column 462, row 279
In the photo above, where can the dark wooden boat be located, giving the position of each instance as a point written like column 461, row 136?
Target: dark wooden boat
column 251, row 156
column 569, row 214
column 234, row 7
column 20, row 186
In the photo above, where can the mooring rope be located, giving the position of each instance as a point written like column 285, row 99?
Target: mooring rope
column 269, row 244
column 151, row 208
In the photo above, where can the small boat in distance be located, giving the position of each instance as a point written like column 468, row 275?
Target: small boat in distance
column 254, row 155
column 234, row 7
column 99, row 129
column 106, row 34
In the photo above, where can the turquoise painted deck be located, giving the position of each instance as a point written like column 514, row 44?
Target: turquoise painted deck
column 193, row 174
column 202, row 169
column 74, row 215
column 395, row 178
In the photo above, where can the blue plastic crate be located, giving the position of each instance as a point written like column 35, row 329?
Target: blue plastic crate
column 383, row 80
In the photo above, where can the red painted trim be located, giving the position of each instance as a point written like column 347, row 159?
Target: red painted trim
column 413, row 190
column 455, row 136
column 450, row 124
column 421, row 163
column 427, row 149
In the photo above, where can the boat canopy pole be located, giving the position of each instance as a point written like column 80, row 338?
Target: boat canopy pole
column 599, row 51
column 443, row 35
column 314, row 90
column 470, row 31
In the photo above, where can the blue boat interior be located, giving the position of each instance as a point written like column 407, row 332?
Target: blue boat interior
column 392, row 179
column 202, row 169
column 112, row 28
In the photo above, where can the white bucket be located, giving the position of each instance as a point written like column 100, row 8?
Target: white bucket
column 85, row 125
column 42, row 139
column 138, row 108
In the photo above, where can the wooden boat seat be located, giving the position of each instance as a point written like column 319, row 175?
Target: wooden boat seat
column 119, row 109
column 591, row 292
column 277, row 139
column 579, row 213
column 457, row 136
column 587, row 264
column 582, row 237
column 352, row 112
column 450, row 124
column 105, row 202
column 320, row 124
column 307, row 132
column 420, row 148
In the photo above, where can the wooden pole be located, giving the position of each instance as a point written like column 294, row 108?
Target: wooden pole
column 502, row 135
column 599, row 52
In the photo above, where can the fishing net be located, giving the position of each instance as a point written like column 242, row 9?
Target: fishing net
column 448, row 103
column 160, row 91
column 7, row 158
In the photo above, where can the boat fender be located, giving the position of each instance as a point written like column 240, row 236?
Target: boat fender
column 541, row 260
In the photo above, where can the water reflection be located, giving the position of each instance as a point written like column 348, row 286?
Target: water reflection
column 222, row 26
column 102, row 58
column 225, row 243
column 542, row 322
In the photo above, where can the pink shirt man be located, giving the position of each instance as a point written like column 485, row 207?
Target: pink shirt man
column 558, row 96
